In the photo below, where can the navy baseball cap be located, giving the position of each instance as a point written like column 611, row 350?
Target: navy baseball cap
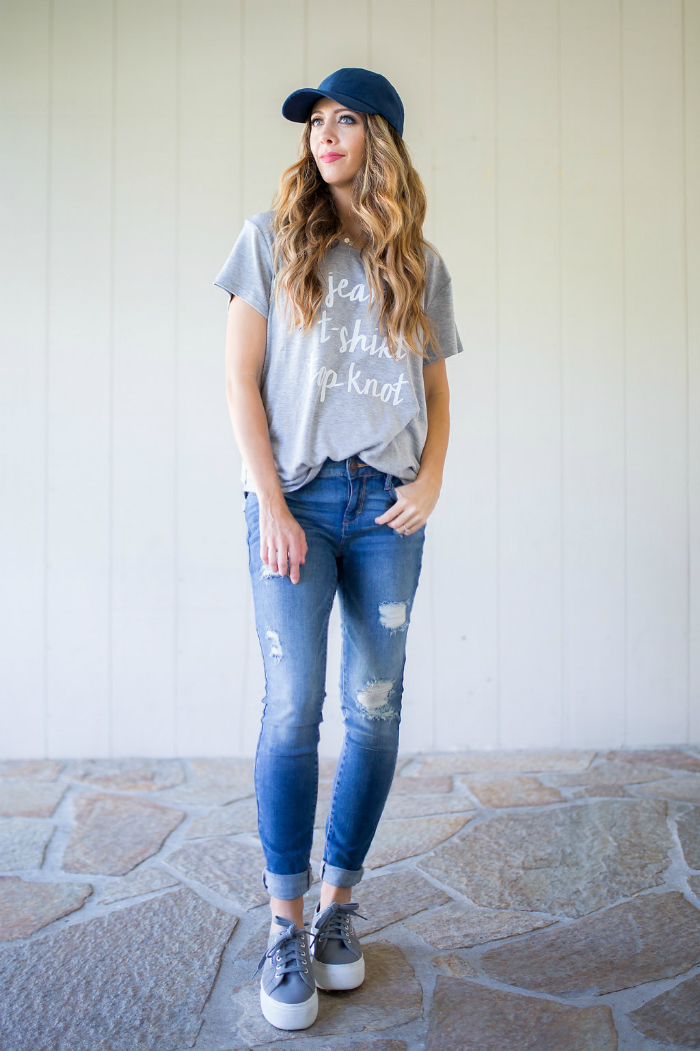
column 354, row 87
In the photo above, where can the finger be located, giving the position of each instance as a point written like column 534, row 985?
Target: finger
column 389, row 515
column 405, row 519
column 294, row 561
column 271, row 557
column 282, row 559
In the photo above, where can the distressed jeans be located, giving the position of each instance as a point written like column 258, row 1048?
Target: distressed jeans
column 375, row 571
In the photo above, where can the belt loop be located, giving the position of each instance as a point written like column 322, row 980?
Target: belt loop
column 388, row 481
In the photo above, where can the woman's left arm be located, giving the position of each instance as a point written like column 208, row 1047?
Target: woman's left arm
column 416, row 500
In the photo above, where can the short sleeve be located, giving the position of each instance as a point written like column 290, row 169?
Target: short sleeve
column 441, row 311
column 248, row 272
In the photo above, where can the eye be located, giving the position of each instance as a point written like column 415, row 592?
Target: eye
column 343, row 116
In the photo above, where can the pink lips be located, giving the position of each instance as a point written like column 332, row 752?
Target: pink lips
column 331, row 157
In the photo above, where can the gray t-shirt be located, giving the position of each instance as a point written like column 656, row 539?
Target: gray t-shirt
column 335, row 391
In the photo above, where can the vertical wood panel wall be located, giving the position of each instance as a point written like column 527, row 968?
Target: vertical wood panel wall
column 559, row 143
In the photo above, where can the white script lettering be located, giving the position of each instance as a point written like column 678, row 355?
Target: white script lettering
column 357, row 293
column 326, row 378
column 370, row 386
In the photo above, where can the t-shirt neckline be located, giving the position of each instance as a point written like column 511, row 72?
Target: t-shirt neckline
column 340, row 243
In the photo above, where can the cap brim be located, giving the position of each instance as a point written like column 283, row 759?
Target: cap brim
column 297, row 106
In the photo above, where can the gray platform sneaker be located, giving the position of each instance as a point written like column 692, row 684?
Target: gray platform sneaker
column 337, row 954
column 288, row 996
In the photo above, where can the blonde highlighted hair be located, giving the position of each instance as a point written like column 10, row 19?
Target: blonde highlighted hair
column 389, row 203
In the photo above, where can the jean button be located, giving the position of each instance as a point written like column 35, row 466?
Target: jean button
column 352, row 464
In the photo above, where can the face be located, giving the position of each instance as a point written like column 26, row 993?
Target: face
column 337, row 141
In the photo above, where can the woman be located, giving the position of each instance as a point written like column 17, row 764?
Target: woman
column 339, row 322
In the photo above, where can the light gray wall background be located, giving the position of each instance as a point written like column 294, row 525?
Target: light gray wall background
column 559, row 142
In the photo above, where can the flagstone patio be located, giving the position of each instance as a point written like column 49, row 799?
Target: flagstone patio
column 545, row 900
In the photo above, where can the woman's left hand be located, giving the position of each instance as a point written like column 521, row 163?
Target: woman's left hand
column 414, row 503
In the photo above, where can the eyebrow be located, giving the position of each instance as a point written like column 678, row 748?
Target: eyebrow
column 337, row 109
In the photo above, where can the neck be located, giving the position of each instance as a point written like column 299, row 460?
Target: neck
column 354, row 232
column 350, row 226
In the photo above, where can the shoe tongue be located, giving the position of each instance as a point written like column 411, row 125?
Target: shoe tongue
column 334, row 912
column 336, row 907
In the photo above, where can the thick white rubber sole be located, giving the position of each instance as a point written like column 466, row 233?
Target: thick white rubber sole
column 339, row 975
column 289, row 1016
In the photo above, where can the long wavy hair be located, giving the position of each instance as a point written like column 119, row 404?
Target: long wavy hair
column 389, row 202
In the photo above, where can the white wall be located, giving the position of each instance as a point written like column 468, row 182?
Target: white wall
column 559, row 143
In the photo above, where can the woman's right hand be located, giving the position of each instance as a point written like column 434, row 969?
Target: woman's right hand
column 282, row 539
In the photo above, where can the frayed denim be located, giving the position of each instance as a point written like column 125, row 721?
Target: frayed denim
column 375, row 571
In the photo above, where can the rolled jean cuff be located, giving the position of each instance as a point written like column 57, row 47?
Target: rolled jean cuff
column 287, row 887
column 340, row 877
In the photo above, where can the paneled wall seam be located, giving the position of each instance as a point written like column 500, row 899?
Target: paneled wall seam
column 688, row 480
column 305, row 43
column 241, row 74
column 691, row 47
column 111, row 354
column 625, row 420
column 248, row 619
column 176, row 380
column 47, row 373
column 497, row 370
column 563, row 638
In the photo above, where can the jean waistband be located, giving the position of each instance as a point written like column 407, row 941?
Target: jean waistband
column 342, row 467
column 353, row 467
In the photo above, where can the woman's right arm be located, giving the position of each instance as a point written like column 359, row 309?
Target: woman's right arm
column 281, row 536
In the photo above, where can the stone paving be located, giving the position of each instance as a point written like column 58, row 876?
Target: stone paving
column 544, row 900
